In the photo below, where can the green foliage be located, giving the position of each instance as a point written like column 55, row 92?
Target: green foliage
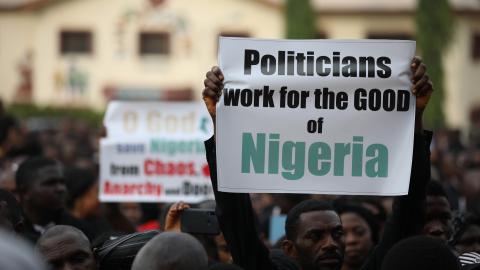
column 434, row 22
column 24, row 111
column 300, row 19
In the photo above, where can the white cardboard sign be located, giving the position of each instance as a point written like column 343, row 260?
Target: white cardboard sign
column 315, row 116
column 154, row 152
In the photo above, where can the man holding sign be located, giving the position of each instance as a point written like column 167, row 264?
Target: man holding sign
column 248, row 162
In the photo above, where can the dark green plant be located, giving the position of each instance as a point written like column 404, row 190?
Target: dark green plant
column 300, row 19
column 25, row 111
column 434, row 22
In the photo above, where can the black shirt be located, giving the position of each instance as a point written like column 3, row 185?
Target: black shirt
column 236, row 216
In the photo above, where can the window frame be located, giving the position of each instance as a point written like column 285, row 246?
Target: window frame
column 62, row 42
column 164, row 34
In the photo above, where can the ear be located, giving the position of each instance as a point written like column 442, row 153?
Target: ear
column 289, row 249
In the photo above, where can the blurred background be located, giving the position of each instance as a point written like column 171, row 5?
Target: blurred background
column 62, row 61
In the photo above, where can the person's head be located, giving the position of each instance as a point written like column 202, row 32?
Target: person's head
column 16, row 254
column 41, row 187
column 82, row 188
column 375, row 206
column 132, row 211
column 439, row 215
column 287, row 201
column 420, row 253
column 65, row 247
column 314, row 236
column 361, row 233
column 467, row 234
column 11, row 218
column 171, row 251
column 11, row 135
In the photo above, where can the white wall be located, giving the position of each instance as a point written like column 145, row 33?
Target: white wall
column 16, row 39
column 193, row 50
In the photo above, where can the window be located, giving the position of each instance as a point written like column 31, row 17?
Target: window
column 137, row 93
column 154, row 43
column 78, row 42
column 402, row 36
column 476, row 46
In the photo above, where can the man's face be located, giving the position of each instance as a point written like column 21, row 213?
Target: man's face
column 439, row 218
column 67, row 251
column 48, row 190
column 320, row 241
column 358, row 239
column 132, row 212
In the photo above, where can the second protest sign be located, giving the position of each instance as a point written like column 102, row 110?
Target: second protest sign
column 154, row 152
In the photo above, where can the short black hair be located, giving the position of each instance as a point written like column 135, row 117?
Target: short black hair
column 7, row 122
column 363, row 213
column 381, row 216
column 435, row 188
column 57, row 230
column 293, row 215
column 420, row 252
column 14, row 211
column 171, row 250
column 27, row 171
column 78, row 181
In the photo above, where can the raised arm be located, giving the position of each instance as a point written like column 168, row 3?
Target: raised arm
column 234, row 210
column 408, row 214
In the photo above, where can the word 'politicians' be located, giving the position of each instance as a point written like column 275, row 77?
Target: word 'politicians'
column 320, row 158
column 309, row 64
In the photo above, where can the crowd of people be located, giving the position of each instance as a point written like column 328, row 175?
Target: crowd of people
column 51, row 217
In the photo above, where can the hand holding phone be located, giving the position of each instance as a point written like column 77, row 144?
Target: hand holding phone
column 199, row 221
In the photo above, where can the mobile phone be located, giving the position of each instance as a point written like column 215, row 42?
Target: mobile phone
column 199, row 221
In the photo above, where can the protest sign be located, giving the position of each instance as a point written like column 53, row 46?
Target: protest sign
column 315, row 116
column 154, row 152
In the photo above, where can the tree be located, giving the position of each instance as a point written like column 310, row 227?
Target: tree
column 300, row 19
column 434, row 23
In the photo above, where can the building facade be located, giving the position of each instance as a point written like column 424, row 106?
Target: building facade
column 86, row 52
